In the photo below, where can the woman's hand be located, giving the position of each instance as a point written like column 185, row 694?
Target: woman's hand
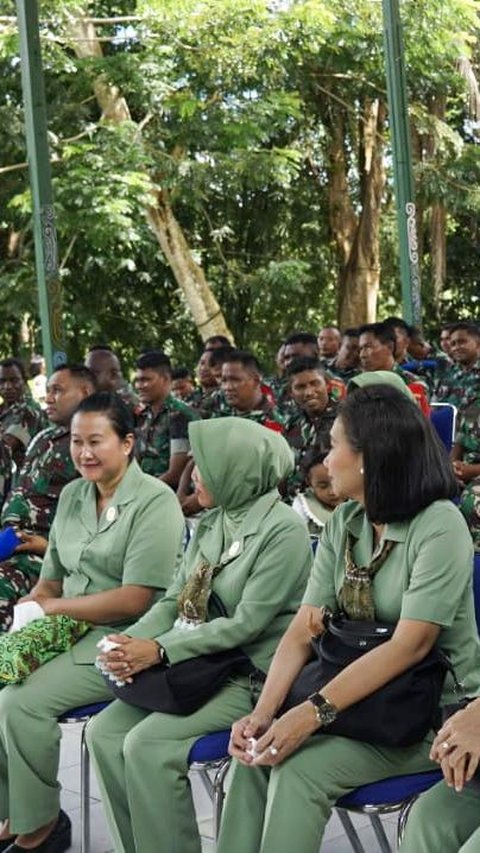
column 132, row 656
column 31, row 543
column 286, row 735
column 243, row 731
column 457, row 746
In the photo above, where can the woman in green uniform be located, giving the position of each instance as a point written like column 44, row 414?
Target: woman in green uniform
column 112, row 551
column 410, row 563
column 254, row 553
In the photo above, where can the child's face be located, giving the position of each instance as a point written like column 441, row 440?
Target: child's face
column 320, row 485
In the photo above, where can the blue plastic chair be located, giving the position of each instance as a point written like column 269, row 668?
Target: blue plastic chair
column 209, row 755
column 443, row 416
column 83, row 714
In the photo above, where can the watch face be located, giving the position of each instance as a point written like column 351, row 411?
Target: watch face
column 326, row 713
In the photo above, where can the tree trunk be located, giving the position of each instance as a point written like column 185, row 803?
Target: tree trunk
column 438, row 220
column 357, row 236
column 206, row 312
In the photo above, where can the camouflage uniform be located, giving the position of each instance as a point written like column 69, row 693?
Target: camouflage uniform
column 31, row 506
column 128, row 396
column 458, row 385
column 344, row 373
column 266, row 414
column 159, row 436
column 22, row 420
column 468, row 436
column 418, row 387
column 302, row 433
column 287, row 407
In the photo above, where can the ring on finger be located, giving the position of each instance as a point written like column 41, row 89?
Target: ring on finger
column 445, row 744
column 273, row 750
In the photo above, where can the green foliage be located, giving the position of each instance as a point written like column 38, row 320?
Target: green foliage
column 232, row 104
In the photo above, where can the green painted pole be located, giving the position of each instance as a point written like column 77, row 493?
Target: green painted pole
column 402, row 162
column 46, row 256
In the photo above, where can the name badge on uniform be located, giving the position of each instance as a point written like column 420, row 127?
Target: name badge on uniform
column 111, row 514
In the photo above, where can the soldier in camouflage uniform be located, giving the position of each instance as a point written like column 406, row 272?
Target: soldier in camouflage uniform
column 241, row 393
column 466, row 463
column 310, row 425
column 162, row 444
column 346, row 364
column 460, row 383
column 31, row 505
column 329, row 340
column 302, row 345
column 21, row 418
column 377, row 352
column 103, row 362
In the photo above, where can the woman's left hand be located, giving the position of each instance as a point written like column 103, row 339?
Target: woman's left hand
column 132, row 656
column 285, row 735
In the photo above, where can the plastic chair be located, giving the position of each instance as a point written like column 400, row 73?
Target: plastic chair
column 384, row 797
column 83, row 714
column 443, row 417
column 209, row 754
column 399, row 792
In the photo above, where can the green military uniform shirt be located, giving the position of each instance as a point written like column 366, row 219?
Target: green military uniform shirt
column 426, row 577
column 457, row 384
column 136, row 540
column 159, row 436
column 303, row 432
column 266, row 413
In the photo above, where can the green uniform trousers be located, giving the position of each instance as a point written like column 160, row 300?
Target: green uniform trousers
column 287, row 807
column 30, row 737
column 141, row 762
column 443, row 821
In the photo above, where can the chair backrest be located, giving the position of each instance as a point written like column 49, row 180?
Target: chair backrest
column 443, row 417
column 476, row 588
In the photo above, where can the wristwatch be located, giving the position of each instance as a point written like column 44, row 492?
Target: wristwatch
column 325, row 711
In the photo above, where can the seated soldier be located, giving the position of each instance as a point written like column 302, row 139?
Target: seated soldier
column 21, row 418
column 310, row 424
column 103, row 362
column 162, row 426
column 32, row 503
column 241, row 392
column 402, row 332
column 459, row 383
column 209, row 372
column 329, row 340
column 346, row 364
column 302, row 345
column 378, row 344
column 183, row 386
column 466, row 463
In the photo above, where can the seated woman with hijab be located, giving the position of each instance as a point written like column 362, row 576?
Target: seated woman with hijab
column 397, row 551
column 112, row 550
column 250, row 551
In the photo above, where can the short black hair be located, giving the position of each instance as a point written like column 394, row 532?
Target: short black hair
column 217, row 339
column 398, row 323
column 154, row 360
column 406, row 465
column 15, row 362
column 301, row 338
column 245, row 358
column 351, row 333
column 383, row 333
column 299, row 365
column 465, row 326
column 80, row 373
column 219, row 355
column 313, row 456
column 182, row 373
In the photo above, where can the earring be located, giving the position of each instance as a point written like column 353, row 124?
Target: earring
column 361, row 470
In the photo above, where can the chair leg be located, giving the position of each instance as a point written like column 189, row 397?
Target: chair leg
column 84, row 794
column 380, row 833
column 219, row 796
column 350, row 830
column 403, row 817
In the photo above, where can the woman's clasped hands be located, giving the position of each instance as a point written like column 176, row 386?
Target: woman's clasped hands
column 259, row 740
column 128, row 656
column 457, row 746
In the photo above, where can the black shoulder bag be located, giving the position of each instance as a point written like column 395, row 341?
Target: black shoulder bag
column 400, row 713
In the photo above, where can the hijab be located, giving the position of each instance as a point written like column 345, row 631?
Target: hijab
column 380, row 377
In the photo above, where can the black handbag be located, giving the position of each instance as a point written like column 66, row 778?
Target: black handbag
column 400, row 713
column 184, row 687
